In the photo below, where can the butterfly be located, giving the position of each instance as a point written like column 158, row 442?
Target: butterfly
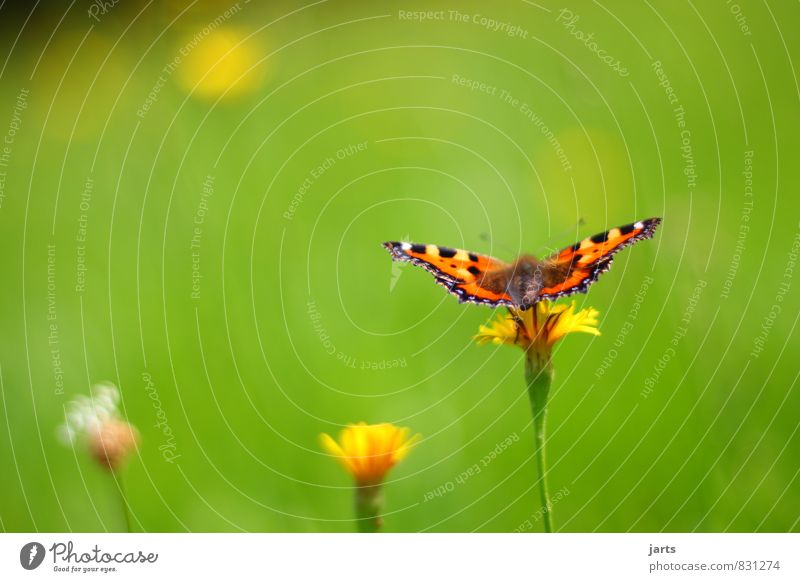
column 485, row 280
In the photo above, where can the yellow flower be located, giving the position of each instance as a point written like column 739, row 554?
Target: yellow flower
column 369, row 451
column 536, row 330
column 113, row 441
column 539, row 328
column 95, row 420
column 220, row 63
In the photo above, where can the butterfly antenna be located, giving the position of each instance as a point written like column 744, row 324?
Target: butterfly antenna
column 484, row 236
column 578, row 223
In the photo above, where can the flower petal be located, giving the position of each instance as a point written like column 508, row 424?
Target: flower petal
column 369, row 451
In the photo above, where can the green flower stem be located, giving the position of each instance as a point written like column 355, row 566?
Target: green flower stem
column 369, row 505
column 124, row 501
column 538, row 377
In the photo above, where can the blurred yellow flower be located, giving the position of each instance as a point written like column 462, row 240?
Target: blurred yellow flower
column 220, row 63
column 95, row 420
column 539, row 328
column 113, row 441
column 369, row 451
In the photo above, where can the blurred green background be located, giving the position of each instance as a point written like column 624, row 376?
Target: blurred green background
column 191, row 175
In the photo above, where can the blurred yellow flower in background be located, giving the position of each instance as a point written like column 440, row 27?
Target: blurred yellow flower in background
column 111, row 444
column 95, row 420
column 220, row 63
column 368, row 452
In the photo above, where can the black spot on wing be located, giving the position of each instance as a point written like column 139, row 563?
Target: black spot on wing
column 446, row 280
column 597, row 269
column 399, row 254
column 603, row 263
column 446, row 252
column 474, row 270
column 647, row 231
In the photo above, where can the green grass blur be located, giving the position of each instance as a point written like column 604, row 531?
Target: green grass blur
column 299, row 323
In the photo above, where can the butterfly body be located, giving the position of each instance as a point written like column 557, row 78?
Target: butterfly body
column 520, row 279
column 521, row 284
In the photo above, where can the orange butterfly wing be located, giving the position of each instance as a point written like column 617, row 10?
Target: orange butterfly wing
column 575, row 268
column 460, row 272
